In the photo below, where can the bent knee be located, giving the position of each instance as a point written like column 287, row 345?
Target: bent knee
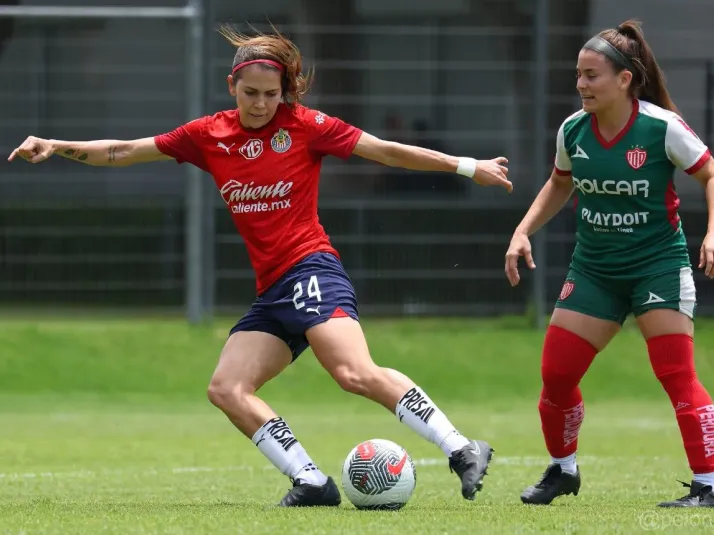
column 554, row 381
column 223, row 391
column 358, row 380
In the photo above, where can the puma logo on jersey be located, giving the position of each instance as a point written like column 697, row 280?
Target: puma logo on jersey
column 653, row 299
column 316, row 310
column 580, row 153
column 222, row 145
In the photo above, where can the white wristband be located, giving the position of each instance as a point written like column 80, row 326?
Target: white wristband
column 467, row 167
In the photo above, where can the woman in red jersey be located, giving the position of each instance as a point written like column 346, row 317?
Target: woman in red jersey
column 265, row 159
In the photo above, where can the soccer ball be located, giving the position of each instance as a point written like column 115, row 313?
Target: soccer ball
column 378, row 474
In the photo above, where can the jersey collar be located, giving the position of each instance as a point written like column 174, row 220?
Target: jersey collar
column 626, row 128
column 266, row 126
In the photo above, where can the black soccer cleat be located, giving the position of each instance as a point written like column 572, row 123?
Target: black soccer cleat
column 700, row 495
column 554, row 483
column 305, row 495
column 471, row 463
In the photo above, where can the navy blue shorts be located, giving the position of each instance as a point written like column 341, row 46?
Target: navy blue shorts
column 314, row 290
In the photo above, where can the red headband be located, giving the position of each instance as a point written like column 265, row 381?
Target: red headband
column 265, row 61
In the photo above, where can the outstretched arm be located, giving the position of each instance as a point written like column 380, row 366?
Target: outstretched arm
column 393, row 154
column 105, row 152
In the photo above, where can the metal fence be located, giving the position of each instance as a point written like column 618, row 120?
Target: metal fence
column 157, row 236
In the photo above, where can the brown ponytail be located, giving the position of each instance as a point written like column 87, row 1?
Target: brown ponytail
column 274, row 47
column 648, row 81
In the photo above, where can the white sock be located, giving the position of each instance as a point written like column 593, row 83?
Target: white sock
column 276, row 441
column 567, row 464
column 421, row 414
column 705, row 479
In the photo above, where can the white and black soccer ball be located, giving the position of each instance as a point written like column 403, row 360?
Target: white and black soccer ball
column 378, row 474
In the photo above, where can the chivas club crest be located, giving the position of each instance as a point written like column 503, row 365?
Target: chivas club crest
column 281, row 141
column 567, row 289
column 636, row 157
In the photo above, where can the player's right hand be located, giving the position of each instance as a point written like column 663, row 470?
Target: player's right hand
column 493, row 173
column 520, row 246
column 33, row 150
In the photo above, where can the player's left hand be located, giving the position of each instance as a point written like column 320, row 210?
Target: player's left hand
column 706, row 255
column 493, row 173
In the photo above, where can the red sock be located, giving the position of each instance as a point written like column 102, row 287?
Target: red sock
column 672, row 358
column 566, row 358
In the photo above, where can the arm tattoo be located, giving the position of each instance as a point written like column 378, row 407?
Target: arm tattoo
column 74, row 154
column 112, row 154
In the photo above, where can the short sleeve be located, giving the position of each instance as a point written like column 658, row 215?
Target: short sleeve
column 184, row 143
column 683, row 146
column 563, row 165
column 330, row 135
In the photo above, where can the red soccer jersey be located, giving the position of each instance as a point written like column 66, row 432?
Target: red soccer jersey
column 268, row 178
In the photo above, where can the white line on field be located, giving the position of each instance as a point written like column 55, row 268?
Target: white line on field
column 433, row 461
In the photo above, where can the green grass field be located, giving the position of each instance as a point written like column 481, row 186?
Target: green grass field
column 105, row 428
